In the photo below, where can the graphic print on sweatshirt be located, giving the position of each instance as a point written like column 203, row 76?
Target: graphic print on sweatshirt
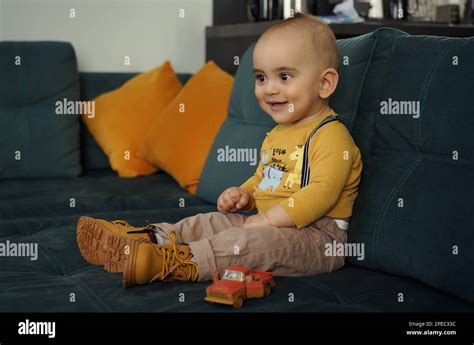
column 281, row 168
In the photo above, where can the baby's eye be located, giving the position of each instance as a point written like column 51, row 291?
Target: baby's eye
column 258, row 77
column 286, row 74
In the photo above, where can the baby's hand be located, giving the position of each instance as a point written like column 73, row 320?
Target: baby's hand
column 232, row 199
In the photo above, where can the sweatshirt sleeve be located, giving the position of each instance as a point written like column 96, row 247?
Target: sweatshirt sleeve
column 250, row 184
column 255, row 179
column 330, row 161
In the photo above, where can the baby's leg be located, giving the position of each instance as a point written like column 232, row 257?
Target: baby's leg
column 284, row 251
column 202, row 225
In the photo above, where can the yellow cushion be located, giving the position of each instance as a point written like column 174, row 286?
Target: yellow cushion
column 123, row 117
column 182, row 135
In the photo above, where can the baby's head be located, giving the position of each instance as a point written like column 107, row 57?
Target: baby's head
column 295, row 61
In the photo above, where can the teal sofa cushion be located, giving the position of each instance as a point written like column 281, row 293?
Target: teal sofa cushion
column 414, row 209
column 362, row 70
column 243, row 130
column 35, row 140
column 247, row 124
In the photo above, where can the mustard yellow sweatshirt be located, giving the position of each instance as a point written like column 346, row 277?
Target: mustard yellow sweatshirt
column 335, row 167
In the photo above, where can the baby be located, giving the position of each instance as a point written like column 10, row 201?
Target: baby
column 304, row 187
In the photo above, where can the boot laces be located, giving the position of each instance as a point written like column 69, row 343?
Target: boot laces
column 172, row 262
column 145, row 229
column 122, row 222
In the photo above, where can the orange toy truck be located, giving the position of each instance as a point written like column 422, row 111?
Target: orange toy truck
column 238, row 284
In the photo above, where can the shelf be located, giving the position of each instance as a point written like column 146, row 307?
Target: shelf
column 349, row 29
column 224, row 42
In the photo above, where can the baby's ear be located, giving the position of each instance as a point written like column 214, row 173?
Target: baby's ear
column 328, row 83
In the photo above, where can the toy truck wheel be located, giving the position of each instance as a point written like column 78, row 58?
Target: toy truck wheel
column 239, row 301
column 266, row 289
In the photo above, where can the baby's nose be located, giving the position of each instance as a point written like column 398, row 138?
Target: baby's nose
column 271, row 88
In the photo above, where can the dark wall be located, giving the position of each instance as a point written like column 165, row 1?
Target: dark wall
column 229, row 12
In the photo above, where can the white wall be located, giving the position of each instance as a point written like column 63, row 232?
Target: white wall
column 1, row 21
column 103, row 32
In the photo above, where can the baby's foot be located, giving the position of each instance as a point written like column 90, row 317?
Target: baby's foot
column 108, row 243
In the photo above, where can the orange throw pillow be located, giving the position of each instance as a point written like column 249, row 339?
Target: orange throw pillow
column 182, row 135
column 124, row 116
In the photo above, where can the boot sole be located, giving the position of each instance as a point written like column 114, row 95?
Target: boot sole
column 100, row 246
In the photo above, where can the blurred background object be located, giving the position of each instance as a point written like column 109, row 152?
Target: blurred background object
column 259, row 10
column 467, row 12
column 396, row 9
column 442, row 11
column 363, row 8
column 324, row 7
column 447, row 13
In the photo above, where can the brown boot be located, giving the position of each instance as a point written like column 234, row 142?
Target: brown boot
column 108, row 243
column 151, row 262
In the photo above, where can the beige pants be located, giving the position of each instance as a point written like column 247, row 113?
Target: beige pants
column 217, row 241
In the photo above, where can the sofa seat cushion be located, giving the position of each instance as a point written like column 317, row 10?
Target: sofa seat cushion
column 97, row 194
column 40, row 212
column 37, row 211
column 383, row 292
column 57, row 279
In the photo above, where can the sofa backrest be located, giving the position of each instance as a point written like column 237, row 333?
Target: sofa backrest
column 413, row 212
column 40, row 138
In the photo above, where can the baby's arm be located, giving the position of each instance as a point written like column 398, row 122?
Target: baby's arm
column 329, row 171
column 277, row 216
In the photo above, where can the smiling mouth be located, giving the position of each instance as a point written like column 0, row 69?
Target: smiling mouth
column 277, row 105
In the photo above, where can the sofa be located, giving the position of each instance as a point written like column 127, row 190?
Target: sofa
column 413, row 214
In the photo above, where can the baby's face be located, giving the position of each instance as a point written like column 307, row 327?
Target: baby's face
column 285, row 71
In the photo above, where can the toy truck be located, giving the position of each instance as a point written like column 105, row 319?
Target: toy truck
column 238, row 284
